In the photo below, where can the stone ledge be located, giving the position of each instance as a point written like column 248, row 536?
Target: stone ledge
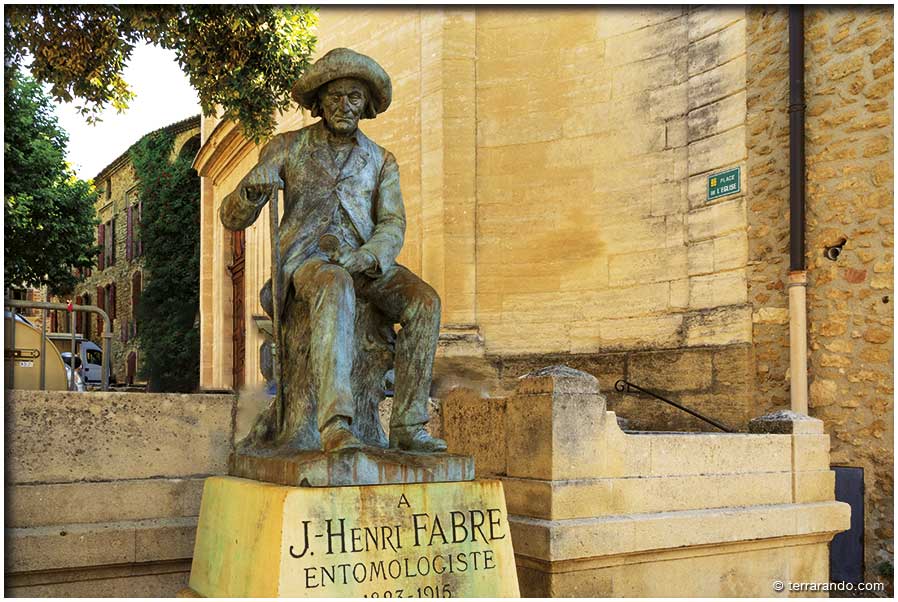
column 92, row 545
column 555, row 540
column 589, row 498
column 366, row 466
column 144, row 580
column 36, row 505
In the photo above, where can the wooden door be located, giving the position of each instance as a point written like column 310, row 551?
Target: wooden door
column 238, row 334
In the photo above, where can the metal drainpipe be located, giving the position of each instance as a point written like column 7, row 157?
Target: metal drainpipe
column 798, row 275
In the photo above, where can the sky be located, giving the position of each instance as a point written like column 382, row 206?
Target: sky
column 164, row 96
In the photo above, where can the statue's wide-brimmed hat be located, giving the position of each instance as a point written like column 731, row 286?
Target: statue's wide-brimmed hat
column 339, row 63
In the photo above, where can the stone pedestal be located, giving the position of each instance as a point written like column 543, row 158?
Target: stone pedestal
column 421, row 540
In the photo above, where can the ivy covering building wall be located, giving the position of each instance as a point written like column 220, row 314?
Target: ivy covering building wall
column 167, row 309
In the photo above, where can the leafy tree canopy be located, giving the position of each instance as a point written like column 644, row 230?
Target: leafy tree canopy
column 241, row 59
column 169, row 231
column 49, row 213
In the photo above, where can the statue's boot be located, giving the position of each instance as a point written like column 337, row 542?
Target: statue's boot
column 415, row 439
column 336, row 435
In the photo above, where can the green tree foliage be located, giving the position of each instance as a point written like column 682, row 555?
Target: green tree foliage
column 169, row 231
column 241, row 59
column 49, row 213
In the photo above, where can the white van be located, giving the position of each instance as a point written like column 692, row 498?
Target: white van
column 91, row 362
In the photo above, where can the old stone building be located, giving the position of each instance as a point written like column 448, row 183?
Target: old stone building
column 555, row 168
column 115, row 283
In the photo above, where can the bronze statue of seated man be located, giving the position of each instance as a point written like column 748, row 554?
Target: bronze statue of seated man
column 343, row 226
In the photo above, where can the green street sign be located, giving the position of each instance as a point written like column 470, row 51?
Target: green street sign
column 724, row 183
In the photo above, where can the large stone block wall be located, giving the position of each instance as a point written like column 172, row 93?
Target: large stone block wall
column 596, row 130
column 850, row 188
column 103, row 490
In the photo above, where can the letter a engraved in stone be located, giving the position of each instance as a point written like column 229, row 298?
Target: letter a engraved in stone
column 305, row 528
column 403, row 501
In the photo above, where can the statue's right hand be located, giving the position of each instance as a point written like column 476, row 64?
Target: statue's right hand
column 258, row 188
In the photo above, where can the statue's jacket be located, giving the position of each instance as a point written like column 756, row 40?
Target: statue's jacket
column 315, row 188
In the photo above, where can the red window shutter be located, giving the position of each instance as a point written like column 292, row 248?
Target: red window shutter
column 129, row 234
column 101, row 240
column 112, row 242
column 112, row 301
column 135, row 292
column 139, row 226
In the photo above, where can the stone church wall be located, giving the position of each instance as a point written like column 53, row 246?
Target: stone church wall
column 850, row 190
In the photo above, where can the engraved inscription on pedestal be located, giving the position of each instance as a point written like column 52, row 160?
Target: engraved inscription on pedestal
column 435, row 540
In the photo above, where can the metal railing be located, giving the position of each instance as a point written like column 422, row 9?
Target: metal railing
column 44, row 307
column 623, row 386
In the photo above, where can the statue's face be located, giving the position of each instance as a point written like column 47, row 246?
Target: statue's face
column 342, row 102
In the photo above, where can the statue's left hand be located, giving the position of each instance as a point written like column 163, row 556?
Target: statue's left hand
column 356, row 260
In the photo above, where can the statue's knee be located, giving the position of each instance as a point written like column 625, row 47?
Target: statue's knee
column 333, row 278
column 426, row 305
column 431, row 302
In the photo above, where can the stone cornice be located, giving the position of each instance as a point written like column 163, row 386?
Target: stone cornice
column 225, row 146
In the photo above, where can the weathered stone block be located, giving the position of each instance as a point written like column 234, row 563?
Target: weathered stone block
column 475, row 426
column 718, row 453
column 717, row 117
column 718, row 48
column 814, row 485
column 786, row 422
column 90, row 545
column 717, row 83
column 716, row 220
column 585, row 498
column 716, row 290
column 717, row 151
column 62, row 437
column 671, row 371
column 552, row 425
column 721, row 326
column 703, row 21
column 112, row 501
column 811, row 452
